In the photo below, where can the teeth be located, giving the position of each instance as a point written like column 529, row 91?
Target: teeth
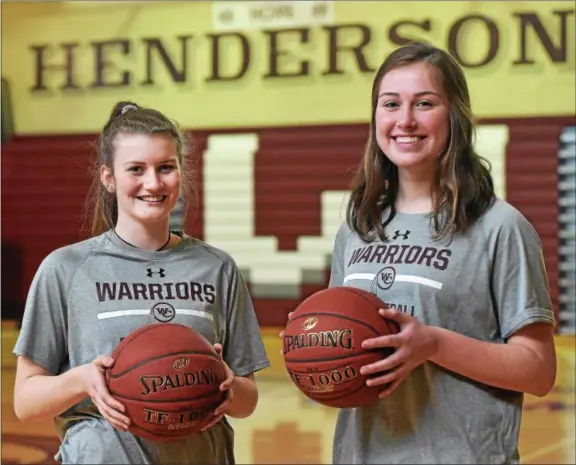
column 407, row 140
column 152, row 198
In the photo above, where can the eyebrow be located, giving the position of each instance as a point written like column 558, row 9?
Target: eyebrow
column 418, row 94
column 134, row 162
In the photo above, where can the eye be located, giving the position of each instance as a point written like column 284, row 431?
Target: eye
column 390, row 104
column 167, row 168
column 135, row 169
column 424, row 103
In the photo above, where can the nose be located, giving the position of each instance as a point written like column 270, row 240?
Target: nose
column 406, row 118
column 152, row 181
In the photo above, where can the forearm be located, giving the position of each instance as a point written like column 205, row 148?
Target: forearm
column 506, row 366
column 43, row 397
column 245, row 398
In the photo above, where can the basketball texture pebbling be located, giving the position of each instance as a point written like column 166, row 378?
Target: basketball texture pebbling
column 168, row 377
column 322, row 346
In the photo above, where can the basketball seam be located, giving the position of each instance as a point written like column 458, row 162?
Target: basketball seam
column 331, row 359
column 189, row 352
column 144, row 329
column 338, row 316
column 132, row 337
column 186, row 399
column 359, row 293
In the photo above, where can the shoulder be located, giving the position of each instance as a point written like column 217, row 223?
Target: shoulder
column 502, row 219
column 218, row 256
column 64, row 260
column 343, row 234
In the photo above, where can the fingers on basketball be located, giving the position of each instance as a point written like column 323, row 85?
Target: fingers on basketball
column 118, row 420
column 103, row 361
column 109, row 400
column 282, row 332
column 330, row 373
column 213, row 422
column 191, row 406
column 218, row 348
column 392, row 386
column 109, row 404
column 229, row 396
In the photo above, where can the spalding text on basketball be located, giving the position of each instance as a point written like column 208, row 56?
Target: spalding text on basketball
column 158, row 383
column 341, row 338
column 156, row 291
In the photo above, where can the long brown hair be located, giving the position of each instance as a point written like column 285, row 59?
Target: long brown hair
column 463, row 188
column 130, row 118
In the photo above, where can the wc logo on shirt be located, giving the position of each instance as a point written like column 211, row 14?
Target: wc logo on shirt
column 385, row 278
column 163, row 312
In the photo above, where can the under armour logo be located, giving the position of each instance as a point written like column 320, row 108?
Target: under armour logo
column 398, row 234
column 150, row 272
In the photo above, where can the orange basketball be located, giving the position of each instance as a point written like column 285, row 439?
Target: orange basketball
column 322, row 346
column 168, row 377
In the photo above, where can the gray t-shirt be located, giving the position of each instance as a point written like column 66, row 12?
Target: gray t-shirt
column 485, row 284
column 87, row 296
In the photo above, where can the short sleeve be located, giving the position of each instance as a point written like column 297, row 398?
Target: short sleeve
column 244, row 350
column 42, row 337
column 337, row 262
column 519, row 282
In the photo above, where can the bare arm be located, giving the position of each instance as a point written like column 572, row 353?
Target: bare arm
column 245, row 397
column 527, row 363
column 40, row 395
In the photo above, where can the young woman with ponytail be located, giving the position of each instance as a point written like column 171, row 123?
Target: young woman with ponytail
column 87, row 296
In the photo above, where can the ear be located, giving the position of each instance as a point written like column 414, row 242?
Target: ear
column 107, row 178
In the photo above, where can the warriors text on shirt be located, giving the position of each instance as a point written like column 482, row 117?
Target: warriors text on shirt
column 396, row 254
column 189, row 290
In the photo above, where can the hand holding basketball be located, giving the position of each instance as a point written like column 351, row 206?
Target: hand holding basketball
column 322, row 345
column 94, row 384
column 225, row 386
column 414, row 344
column 282, row 332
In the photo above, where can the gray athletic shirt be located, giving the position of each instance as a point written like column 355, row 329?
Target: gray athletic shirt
column 87, row 296
column 485, row 284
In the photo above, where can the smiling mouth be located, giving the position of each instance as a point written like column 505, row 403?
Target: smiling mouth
column 152, row 198
column 408, row 139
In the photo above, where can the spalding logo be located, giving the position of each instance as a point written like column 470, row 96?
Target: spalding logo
column 180, row 363
column 309, row 323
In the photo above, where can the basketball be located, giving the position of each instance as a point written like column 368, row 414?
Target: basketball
column 322, row 346
column 168, row 377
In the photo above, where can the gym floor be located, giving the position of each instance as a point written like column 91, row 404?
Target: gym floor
column 288, row 429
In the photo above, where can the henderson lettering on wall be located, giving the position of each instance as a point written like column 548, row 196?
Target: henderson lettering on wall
column 108, row 70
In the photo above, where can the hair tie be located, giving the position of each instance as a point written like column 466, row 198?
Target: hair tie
column 128, row 108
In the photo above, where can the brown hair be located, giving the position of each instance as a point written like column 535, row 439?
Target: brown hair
column 129, row 118
column 463, row 188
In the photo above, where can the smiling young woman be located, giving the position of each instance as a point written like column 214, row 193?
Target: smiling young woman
column 479, row 330
column 81, row 299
